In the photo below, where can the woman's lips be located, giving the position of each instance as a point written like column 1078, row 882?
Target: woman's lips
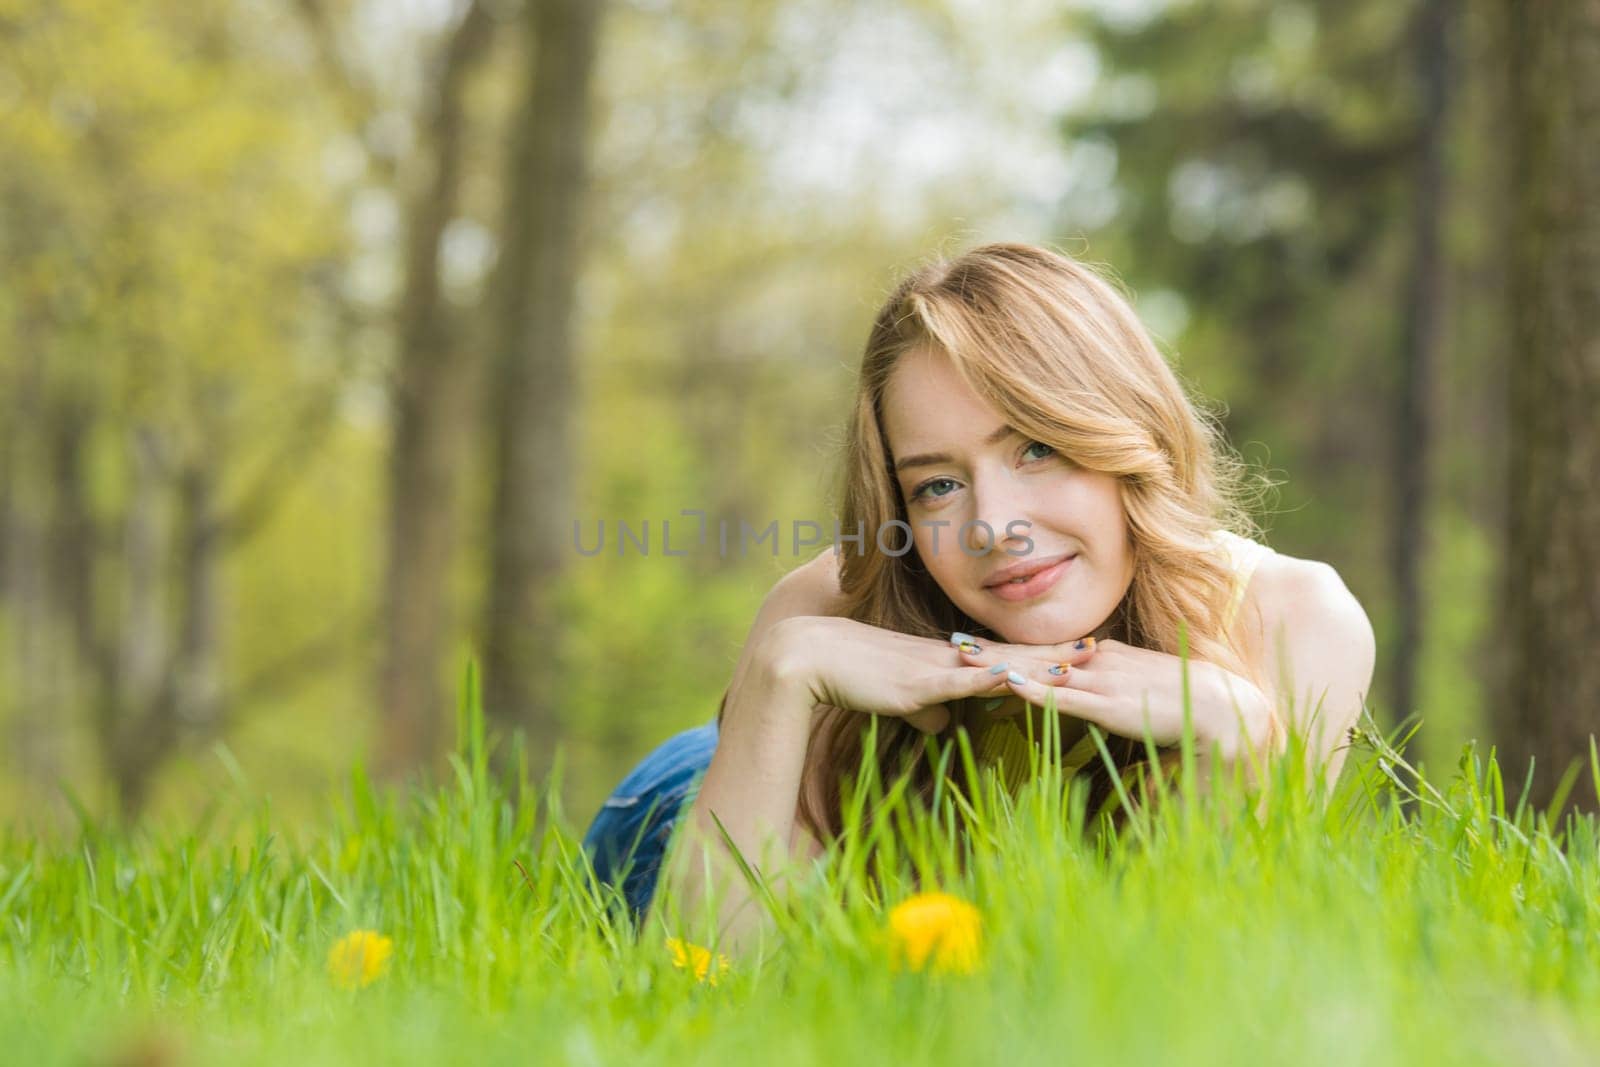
column 1034, row 585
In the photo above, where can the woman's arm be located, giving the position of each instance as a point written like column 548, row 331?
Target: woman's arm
column 752, row 786
column 810, row 589
column 763, row 730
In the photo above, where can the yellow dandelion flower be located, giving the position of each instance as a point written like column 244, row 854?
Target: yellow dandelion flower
column 686, row 956
column 359, row 958
column 938, row 932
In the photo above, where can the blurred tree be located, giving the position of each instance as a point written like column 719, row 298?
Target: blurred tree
column 1550, row 704
column 155, row 227
column 1421, row 317
column 433, row 405
column 432, row 386
column 533, row 376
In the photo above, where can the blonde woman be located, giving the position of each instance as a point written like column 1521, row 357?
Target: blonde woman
column 1041, row 509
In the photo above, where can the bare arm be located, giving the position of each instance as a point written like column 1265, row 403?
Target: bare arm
column 757, row 770
column 752, row 786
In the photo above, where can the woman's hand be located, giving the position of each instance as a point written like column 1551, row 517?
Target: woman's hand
column 866, row 668
column 1133, row 692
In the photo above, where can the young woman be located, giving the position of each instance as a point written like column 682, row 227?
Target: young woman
column 1042, row 510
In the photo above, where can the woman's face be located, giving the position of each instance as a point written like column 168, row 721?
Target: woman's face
column 963, row 472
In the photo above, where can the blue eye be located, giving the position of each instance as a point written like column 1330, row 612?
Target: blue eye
column 1038, row 444
column 922, row 489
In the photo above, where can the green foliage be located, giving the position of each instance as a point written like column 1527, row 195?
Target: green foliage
column 169, row 239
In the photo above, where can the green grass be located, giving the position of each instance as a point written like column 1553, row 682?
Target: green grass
column 1353, row 930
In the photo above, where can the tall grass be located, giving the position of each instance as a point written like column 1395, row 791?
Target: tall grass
column 1398, row 920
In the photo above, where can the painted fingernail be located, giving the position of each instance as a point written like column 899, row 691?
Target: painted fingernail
column 992, row 703
column 1015, row 679
column 1084, row 644
column 998, row 667
column 1061, row 668
column 971, row 648
column 958, row 638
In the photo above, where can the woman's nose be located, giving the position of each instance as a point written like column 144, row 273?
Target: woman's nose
column 999, row 521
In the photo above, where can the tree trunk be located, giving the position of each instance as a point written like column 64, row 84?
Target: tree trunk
column 1550, row 704
column 534, row 379
column 1421, row 318
column 24, row 582
column 432, row 409
column 129, row 739
column 196, row 688
column 169, row 687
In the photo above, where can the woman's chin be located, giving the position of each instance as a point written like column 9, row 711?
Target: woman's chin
column 1042, row 628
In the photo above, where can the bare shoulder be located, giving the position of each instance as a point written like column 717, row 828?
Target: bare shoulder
column 810, row 589
column 1313, row 648
column 1304, row 595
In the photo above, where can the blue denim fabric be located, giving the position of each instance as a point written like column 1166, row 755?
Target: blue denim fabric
column 628, row 838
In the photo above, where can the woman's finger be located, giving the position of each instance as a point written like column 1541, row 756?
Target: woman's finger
column 1077, row 651
column 1053, row 674
column 1067, row 699
column 1025, row 659
column 1061, row 675
column 1067, row 654
column 935, row 690
column 983, row 652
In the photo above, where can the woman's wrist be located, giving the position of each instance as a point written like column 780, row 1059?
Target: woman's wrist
column 773, row 690
column 1237, row 718
column 781, row 680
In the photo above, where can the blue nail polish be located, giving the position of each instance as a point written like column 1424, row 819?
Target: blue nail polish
column 1015, row 679
column 998, row 667
column 1055, row 669
column 991, row 704
column 958, row 639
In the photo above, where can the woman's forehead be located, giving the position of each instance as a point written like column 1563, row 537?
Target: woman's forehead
column 929, row 406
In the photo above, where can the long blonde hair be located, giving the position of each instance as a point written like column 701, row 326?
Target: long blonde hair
column 1056, row 349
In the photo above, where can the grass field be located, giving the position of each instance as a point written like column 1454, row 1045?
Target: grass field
column 1453, row 928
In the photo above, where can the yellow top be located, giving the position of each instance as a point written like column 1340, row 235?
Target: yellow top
column 1002, row 744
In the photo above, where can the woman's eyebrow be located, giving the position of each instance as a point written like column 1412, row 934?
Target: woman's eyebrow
column 928, row 459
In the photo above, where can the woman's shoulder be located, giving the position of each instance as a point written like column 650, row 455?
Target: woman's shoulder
column 1283, row 579
column 1242, row 552
column 1269, row 573
column 810, row 589
column 1300, row 596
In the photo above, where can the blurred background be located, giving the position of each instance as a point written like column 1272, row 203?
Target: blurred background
column 321, row 320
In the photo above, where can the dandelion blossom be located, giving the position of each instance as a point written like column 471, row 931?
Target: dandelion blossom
column 938, row 932
column 686, row 955
column 359, row 958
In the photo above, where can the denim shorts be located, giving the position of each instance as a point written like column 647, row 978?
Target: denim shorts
column 627, row 840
